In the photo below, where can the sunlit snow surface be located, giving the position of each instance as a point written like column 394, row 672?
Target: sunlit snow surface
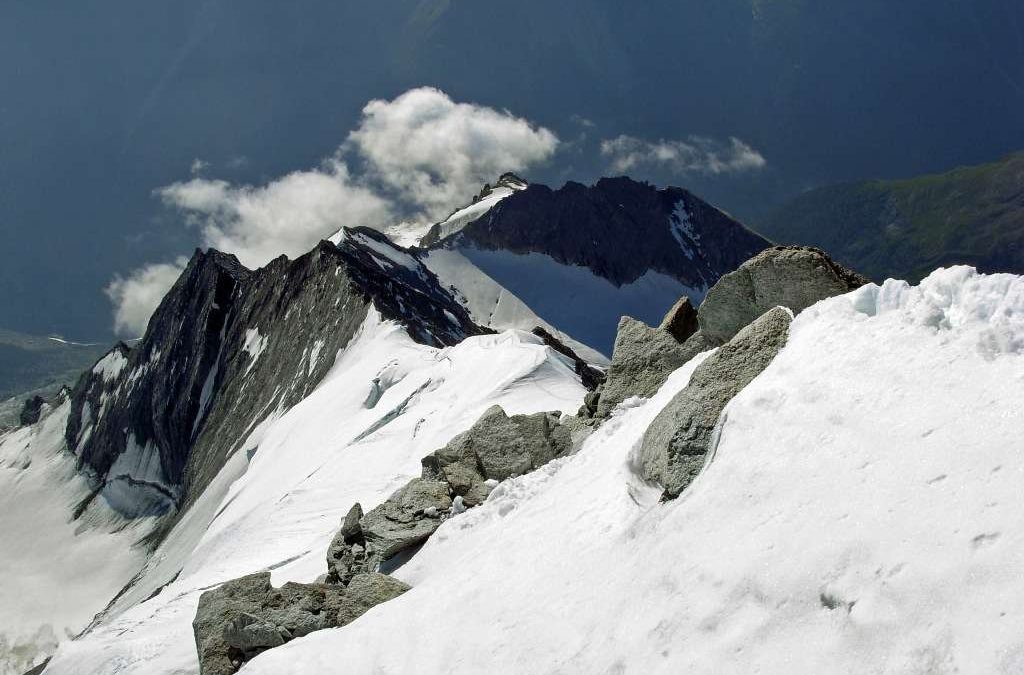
column 863, row 513
column 282, row 512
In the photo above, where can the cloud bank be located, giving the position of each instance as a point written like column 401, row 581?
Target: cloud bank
column 433, row 153
column 696, row 154
column 137, row 295
column 413, row 158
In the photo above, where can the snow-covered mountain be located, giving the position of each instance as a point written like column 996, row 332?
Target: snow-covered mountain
column 332, row 464
column 580, row 257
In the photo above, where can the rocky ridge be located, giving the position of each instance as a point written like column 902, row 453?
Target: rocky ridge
column 618, row 228
column 676, row 447
column 229, row 346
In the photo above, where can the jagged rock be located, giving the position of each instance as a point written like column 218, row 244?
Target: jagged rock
column 677, row 441
column 366, row 591
column 619, row 228
column 405, row 520
column 642, row 360
column 237, row 620
column 31, row 411
column 788, row 276
column 350, row 528
column 590, row 402
column 496, row 447
column 590, row 377
column 251, row 635
column 39, row 668
column 681, row 320
column 246, row 616
column 152, row 425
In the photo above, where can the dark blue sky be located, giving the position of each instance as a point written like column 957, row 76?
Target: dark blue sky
column 102, row 103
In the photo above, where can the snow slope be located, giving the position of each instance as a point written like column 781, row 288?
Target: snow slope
column 505, row 289
column 467, row 215
column 862, row 514
column 56, row 573
column 278, row 502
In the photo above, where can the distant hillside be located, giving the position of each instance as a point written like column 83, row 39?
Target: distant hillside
column 905, row 228
column 30, row 364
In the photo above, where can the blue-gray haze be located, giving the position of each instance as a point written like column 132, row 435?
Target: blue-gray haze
column 102, row 102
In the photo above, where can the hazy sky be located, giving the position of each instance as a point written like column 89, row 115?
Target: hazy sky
column 131, row 132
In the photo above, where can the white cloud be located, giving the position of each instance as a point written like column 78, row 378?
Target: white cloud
column 434, row 153
column 419, row 156
column 697, row 154
column 286, row 216
column 137, row 295
column 198, row 166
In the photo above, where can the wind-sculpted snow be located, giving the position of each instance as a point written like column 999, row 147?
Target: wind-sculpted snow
column 862, row 514
column 277, row 506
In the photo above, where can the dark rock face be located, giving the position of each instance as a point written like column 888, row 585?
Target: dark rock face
column 31, row 411
column 246, row 616
column 152, row 425
column 787, row 276
column 681, row 320
column 677, row 441
column 619, row 229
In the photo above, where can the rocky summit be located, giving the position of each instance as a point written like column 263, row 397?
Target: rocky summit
column 153, row 424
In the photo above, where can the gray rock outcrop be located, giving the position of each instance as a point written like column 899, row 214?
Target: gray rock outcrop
column 497, row 447
column 788, row 276
column 642, row 360
column 403, row 521
column 246, row 616
column 676, row 443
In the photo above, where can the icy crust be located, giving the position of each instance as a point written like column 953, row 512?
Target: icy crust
column 277, row 503
column 56, row 573
column 863, row 514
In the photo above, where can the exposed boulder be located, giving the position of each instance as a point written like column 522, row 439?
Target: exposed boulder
column 788, row 276
column 350, row 527
column 240, row 618
column 367, row 591
column 406, row 518
column 642, row 360
column 676, row 443
column 246, row 616
column 403, row 521
column 495, row 448
column 681, row 320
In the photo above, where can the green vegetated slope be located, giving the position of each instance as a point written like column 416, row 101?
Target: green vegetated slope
column 906, row 228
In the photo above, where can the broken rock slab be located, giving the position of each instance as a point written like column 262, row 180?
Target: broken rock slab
column 246, row 616
column 677, row 442
column 642, row 359
column 497, row 447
